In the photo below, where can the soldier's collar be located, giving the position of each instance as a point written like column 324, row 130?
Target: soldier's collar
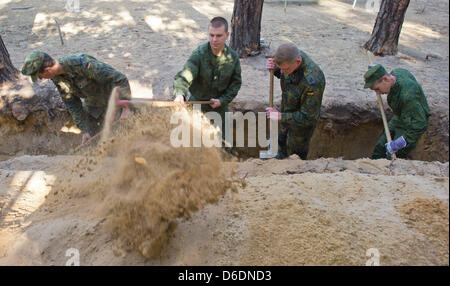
column 66, row 67
column 298, row 71
column 303, row 65
column 396, row 87
column 224, row 51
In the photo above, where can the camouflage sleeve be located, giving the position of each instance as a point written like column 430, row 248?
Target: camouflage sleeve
column 186, row 76
column 277, row 72
column 105, row 74
column 413, row 118
column 75, row 107
column 234, row 86
column 309, row 112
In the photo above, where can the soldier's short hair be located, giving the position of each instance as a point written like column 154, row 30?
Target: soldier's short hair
column 47, row 61
column 286, row 53
column 218, row 22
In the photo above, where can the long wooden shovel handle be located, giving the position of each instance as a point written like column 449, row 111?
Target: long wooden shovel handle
column 139, row 101
column 159, row 103
column 385, row 124
column 271, row 88
column 383, row 115
column 270, row 56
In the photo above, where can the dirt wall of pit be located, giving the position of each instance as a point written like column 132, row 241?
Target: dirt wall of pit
column 349, row 131
column 34, row 121
column 331, row 33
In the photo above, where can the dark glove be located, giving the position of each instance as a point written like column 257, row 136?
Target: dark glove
column 394, row 146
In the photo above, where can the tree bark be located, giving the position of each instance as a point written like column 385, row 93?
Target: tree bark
column 7, row 71
column 246, row 27
column 386, row 32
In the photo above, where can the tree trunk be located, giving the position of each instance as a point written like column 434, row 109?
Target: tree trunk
column 7, row 71
column 246, row 27
column 386, row 32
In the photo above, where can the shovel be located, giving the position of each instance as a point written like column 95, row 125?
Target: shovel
column 269, row 154
column 124, row 105
column 383, row 116
column 386, row 130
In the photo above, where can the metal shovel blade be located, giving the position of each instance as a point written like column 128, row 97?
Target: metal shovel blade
column 263, row 155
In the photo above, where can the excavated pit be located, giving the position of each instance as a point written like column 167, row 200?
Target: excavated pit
column 343, row 131
column 270, row 194
column 289, row 212
column 34, row 121
column 351, row 132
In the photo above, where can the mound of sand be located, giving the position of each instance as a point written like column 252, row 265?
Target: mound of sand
column 130, row 191
column 289, row 212
column 157, row 183
column 138, row 183
column 430, row 217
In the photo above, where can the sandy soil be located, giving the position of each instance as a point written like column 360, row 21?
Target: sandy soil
column 137, row 200
column 150, row 41
column 322, row 212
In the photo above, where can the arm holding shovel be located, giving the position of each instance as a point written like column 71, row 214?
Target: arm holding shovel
column 391, row 151
column 377, row 79
column 271, row 112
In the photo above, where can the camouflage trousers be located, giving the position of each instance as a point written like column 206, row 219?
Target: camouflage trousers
column 96, row 115
column 95, row 124
column 294, row 140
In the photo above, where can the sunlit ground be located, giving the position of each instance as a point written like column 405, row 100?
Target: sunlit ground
column 25, row 193
column 150, row 41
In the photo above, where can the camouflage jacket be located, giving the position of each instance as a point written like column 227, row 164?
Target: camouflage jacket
column 86, row 77
column 409, row 106
column 208, row 76
column 302, row 93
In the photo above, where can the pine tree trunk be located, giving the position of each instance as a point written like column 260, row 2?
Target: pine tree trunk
column 7, row 71
column 246, row 27
column 386, row 32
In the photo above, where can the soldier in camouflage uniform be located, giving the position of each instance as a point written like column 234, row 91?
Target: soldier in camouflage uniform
column 409, row 105
column 212, row 72
column 77, row 77
column 302, row 85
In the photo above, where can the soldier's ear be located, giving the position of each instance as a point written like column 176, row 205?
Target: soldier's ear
column 385, row 78
column 50, row 70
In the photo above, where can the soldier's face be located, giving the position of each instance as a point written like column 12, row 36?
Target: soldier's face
column 290, row 67
column 383, row 86
column 217, row 37
column 46, row 74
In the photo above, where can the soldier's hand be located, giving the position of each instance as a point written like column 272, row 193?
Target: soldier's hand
column 395, row 145
column 85, row 138
column 273, row 114
column 125, row 113
column 270, row 64
column 180, row 98
column 215, row 103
